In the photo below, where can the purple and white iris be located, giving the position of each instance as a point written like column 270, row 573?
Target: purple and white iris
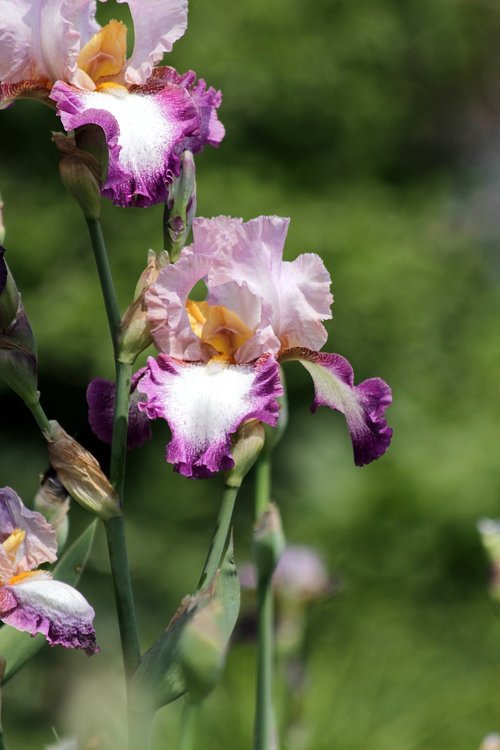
column 55, row 50
column 219, row 360
column 30, row 599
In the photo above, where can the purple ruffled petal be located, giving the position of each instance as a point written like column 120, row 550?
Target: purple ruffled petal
column 204, row 404
column 38, row 604
column 101, row 402
column 146, row 129
column 363, row 405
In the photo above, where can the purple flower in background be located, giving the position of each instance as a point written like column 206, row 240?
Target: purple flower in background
column 300, row 574
column 219, row 360
column 54, row 50
column 30, row 599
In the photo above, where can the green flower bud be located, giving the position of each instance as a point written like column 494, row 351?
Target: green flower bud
column 80, row 174
column 268, row 542
column 247, row 446
column 81, row 474
column 135, row 335
column 180, row 207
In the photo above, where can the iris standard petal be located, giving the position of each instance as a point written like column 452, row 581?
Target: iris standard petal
column 146, row 129
column 157, row 25
column 363, row 405
column 204, row 404
column 39, row 544
column 15, row 42
column 38, row 604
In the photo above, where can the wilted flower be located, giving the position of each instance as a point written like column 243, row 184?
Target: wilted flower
column 30, row 599
column 219, row 361
column 55, row 51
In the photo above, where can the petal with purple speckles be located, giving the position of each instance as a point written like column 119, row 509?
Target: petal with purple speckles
column 146, row 129
column 204, row 404
column 38, row 604
column 363, row 405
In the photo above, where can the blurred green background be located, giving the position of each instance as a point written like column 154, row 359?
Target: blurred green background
column 374, row 125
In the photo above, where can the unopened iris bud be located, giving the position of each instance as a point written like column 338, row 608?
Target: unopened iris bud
column 81, row 474
column 180, row 207
column 135, row 335
column 52, row 501
column 80, row 174
column 18, row 359
column 268, row 541
column 247, row 446
column 203, row 650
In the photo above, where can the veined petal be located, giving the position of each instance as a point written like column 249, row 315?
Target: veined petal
column 15, row 42
column 38, row 604
column 250, row 254
column 58, row 29
column 363, row 405
column 39, row 544
column 157, row 25
column 146, row 129
column 166, row 307
column 101, row 397
column 204, row 404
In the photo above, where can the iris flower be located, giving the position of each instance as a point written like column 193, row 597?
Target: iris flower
column 30, row 599
column 55, row 51
column 219, row 361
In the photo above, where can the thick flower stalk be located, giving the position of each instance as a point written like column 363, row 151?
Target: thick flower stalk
column 55, row 51
column 30, row 599
column 219, row 359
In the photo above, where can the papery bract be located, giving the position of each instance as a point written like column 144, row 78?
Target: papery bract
column 54, row 50
column 259, row 309
column 30, row 599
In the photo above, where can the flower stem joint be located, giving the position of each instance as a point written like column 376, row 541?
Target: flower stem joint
column 180, row 207
column 81, row 174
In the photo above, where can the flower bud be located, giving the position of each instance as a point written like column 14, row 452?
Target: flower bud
column 248, row 443
column 18, row 360
column 81, row 474
column 203, row 649
column 180, row 207
column 268, row 542
column 80, row 174
column 135, row 335
column 52, row 501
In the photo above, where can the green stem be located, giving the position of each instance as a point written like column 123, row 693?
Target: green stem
column 265, row 731
column 115, row 527
column 190, row 713
column 105, row 276
column 219, row 536
column 140, row 730
column 40, row 416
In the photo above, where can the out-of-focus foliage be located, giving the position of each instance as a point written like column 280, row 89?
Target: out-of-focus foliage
column 376, row 127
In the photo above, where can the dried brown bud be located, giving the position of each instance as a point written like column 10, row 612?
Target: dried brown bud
column 52, row 501
column 81, row 474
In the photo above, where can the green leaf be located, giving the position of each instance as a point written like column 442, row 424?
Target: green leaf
column 16, row 647
column 159, row 680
